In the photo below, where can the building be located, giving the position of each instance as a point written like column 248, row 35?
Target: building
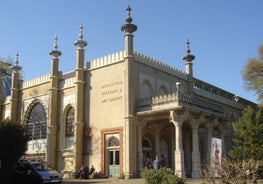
column 115, row 111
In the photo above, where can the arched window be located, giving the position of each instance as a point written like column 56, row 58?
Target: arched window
column 146, row 90
column 69, row 122
column 36, row 127
column 163, row 90
column 113, row 141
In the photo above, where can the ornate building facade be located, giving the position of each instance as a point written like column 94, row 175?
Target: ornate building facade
column 115, row 111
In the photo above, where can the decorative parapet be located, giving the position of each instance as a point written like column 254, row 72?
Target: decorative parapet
column 67, row 83
column 178, row 99
column 219, row 95
column 35, row 81
column 106, row 60
column 159, row 65
column 193, row 101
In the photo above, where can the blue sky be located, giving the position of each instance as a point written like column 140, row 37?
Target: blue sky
column 224, row 34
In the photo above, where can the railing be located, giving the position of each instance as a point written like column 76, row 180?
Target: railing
column 177, row 99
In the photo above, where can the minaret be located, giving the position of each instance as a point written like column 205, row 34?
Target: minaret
column 188, row 58
column 129, row 95
column 79, row 100
column 53, row 108
column 15, row 91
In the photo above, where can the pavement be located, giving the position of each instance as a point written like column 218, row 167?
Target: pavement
column 119, row 181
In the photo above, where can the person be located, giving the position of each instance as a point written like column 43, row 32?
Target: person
column 148, row 163
column 92, row 169
column 156, row 163
column 83, row 172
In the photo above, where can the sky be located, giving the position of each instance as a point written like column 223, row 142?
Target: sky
column 223, row 34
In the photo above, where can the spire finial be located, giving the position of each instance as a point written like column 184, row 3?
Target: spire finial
column 80, row 43
column 188, row 51
column 81, row 32
column 128, row 19
column 188, row 57
column 55, row 45
column 16, row 62
column 16, row 67
column 128, row 27
column 55, row 53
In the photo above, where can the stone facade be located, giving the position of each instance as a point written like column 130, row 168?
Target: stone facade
column 118, row 110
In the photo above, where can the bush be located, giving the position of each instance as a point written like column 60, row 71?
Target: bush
column 161, row 176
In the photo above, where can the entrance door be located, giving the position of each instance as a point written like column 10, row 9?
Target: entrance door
column 114, row 162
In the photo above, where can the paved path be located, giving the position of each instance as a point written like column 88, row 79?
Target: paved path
column 119, row 181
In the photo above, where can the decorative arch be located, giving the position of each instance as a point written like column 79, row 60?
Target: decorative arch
column 163, row 90
column 68, row 126
column 113, row 141
column 36, row 126
column 146, row 89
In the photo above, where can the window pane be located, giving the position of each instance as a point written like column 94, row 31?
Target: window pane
column 69, row 123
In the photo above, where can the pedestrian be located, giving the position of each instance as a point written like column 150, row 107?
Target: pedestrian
column 156, row 163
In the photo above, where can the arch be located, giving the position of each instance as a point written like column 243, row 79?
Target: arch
column 70, row 115
column 146, row 89
column 68, row 126
column 162, row 90
column 113, row 141
column 36, row 126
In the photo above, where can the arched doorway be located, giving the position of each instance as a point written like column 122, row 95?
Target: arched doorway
column 147, row 150
column 113, row 156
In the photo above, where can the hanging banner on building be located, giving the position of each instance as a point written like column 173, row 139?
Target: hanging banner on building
column 216, row 152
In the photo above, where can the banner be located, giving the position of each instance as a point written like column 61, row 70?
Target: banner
column 216, row 152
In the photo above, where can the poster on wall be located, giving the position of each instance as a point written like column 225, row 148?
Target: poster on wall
column 216, row 152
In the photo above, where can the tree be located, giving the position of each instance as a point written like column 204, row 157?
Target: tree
column 253, row 74
column 248, row 133
column 13, row 144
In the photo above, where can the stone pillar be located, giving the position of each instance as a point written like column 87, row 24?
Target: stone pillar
column 222, row 136
column 157, row 141
column 195, row 154
column 79, row 101
column 15, row 92
column 53, row 106
column 139, row 146
column 209, row 129
column 177, row 118
column 129, row 152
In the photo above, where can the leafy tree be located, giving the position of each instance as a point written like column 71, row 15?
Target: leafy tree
column 253, row 74
column 248, row 133
column 13, row 144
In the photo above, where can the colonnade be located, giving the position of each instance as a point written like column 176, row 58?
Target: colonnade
column 178, row 118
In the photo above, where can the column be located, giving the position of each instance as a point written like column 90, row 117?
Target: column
column 79, row 99
column 53, row 107
column 209, row 128
column 129, row 151
column 222, row 136
column 157, row 140
column 195, row 154
column 129, row 104
column 177, row 118
column 139, row 147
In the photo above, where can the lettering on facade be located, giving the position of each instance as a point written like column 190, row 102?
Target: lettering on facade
column 111, row 92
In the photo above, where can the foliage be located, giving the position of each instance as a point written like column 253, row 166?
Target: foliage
column 122, row 176
column 13, row 144
column 161, row 176
column 252, row 74
column 235, row 172
column 248, row 133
